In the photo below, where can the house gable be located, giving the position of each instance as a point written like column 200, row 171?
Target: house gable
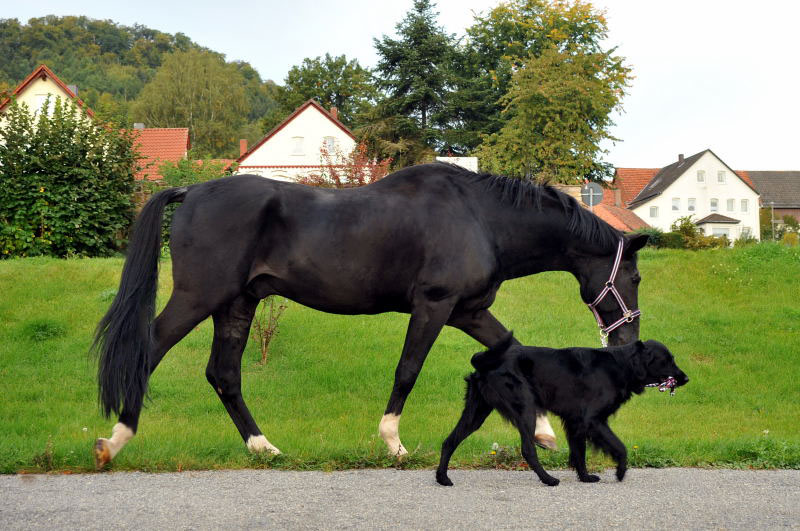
column 292, row 148
column 42, row 81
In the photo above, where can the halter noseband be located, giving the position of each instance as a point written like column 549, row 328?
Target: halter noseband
column 627, row 315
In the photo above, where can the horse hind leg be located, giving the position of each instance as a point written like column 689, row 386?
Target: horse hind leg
column 231, row 328
column 181, row 314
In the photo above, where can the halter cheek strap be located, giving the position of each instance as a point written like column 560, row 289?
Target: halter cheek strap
column 627, row 315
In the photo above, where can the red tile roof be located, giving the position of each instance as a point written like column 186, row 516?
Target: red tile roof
column 44, row 72
column 157, row 145
column 630, row 182
column 619, row 218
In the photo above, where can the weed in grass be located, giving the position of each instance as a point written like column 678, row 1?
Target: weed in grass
column 107, row 295
column 43, row 329
column 44, row 460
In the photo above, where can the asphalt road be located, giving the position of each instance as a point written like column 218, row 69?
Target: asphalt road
column 379, row 499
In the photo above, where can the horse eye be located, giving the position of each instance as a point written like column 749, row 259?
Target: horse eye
column 636, row 279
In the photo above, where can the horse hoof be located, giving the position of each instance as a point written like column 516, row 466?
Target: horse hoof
column 548, row 442
column 399, row 454
column 102, row 454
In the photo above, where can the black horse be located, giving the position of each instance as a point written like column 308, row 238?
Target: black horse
column 434, row 241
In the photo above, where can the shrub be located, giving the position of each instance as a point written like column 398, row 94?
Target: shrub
column 347, row 171
column 790, row 238
column 654, row 235
column 65, row 183
column 672, row 240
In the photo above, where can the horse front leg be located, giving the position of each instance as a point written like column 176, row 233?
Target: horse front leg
column 484, row 327
column 427, row 320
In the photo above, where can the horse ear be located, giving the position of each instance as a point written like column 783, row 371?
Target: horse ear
column 635, row 242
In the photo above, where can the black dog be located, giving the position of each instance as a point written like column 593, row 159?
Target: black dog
column 583, row 386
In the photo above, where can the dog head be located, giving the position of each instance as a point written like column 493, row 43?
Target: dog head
column 653, row 363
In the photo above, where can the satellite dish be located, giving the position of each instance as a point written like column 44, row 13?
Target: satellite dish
column 591, row 194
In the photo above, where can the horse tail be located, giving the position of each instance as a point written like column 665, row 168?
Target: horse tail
column 122, row 340
column 493, row 358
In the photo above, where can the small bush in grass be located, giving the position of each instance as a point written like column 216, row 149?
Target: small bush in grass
column 265, row 323
column 790, row 238
column 672, row 240
column 43, row 329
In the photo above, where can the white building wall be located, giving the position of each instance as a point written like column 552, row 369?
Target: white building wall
column 35, row 94
column 687, row 186
column 295, row 149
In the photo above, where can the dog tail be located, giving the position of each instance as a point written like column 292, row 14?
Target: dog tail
column 493, row 358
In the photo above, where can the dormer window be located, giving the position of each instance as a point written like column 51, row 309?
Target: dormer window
column 297, row 145
column 701, row 176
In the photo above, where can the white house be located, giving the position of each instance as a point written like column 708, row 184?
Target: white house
column 293, row 148
column 720, row 201
column 35, row 90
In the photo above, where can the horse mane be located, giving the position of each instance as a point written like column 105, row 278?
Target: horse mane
column 520, row 193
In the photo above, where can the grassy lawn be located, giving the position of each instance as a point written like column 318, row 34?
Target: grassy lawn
column 732, row 318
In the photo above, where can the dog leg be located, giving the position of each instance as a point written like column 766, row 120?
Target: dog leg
column 529, row 453
column 577, row 453
column 476, row 409
column 605, row 439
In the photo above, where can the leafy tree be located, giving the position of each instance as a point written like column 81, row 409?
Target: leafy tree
column 558, row 111
column 414, row 72
column 198, row 90
column 333, row 82
column 65, row 183
column 505, row 39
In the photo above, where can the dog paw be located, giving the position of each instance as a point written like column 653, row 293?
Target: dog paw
column 550, row 481
column 621, row 472
column 442, row 479
column 589, row 478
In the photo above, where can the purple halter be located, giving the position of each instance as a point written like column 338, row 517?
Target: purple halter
column 627, row 315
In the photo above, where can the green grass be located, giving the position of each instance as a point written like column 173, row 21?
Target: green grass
column 732, row 318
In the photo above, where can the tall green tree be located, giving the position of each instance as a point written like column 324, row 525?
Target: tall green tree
column 333, row 82
column 558, row 111
column 198, row 90
column 413, row 71
column 505, row 38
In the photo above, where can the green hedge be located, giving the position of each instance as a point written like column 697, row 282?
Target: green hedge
column 65, row 183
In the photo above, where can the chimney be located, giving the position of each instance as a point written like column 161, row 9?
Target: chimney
column 335, row 113
column 242, row 146
column 138, row 125
column 73, row 88
column 680, row 158
column 617, row 197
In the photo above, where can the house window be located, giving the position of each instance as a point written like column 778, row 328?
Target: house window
column 701, row 176
column 653, row 211
column 330, row 144
column 714, row 205
column 41, row 102
column 676, row 203
column 297, row 145
column 720, row 231
column 746, row 232
column 691, row 204
column 721, row 177
column 744, row 205
column 731, row 205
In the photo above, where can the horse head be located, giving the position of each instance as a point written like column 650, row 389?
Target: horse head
column 610, row 287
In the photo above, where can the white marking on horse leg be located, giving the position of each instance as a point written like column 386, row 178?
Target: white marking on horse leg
column 120, row 435
column 259, row 443
column 388, row 430
column 545, row 436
